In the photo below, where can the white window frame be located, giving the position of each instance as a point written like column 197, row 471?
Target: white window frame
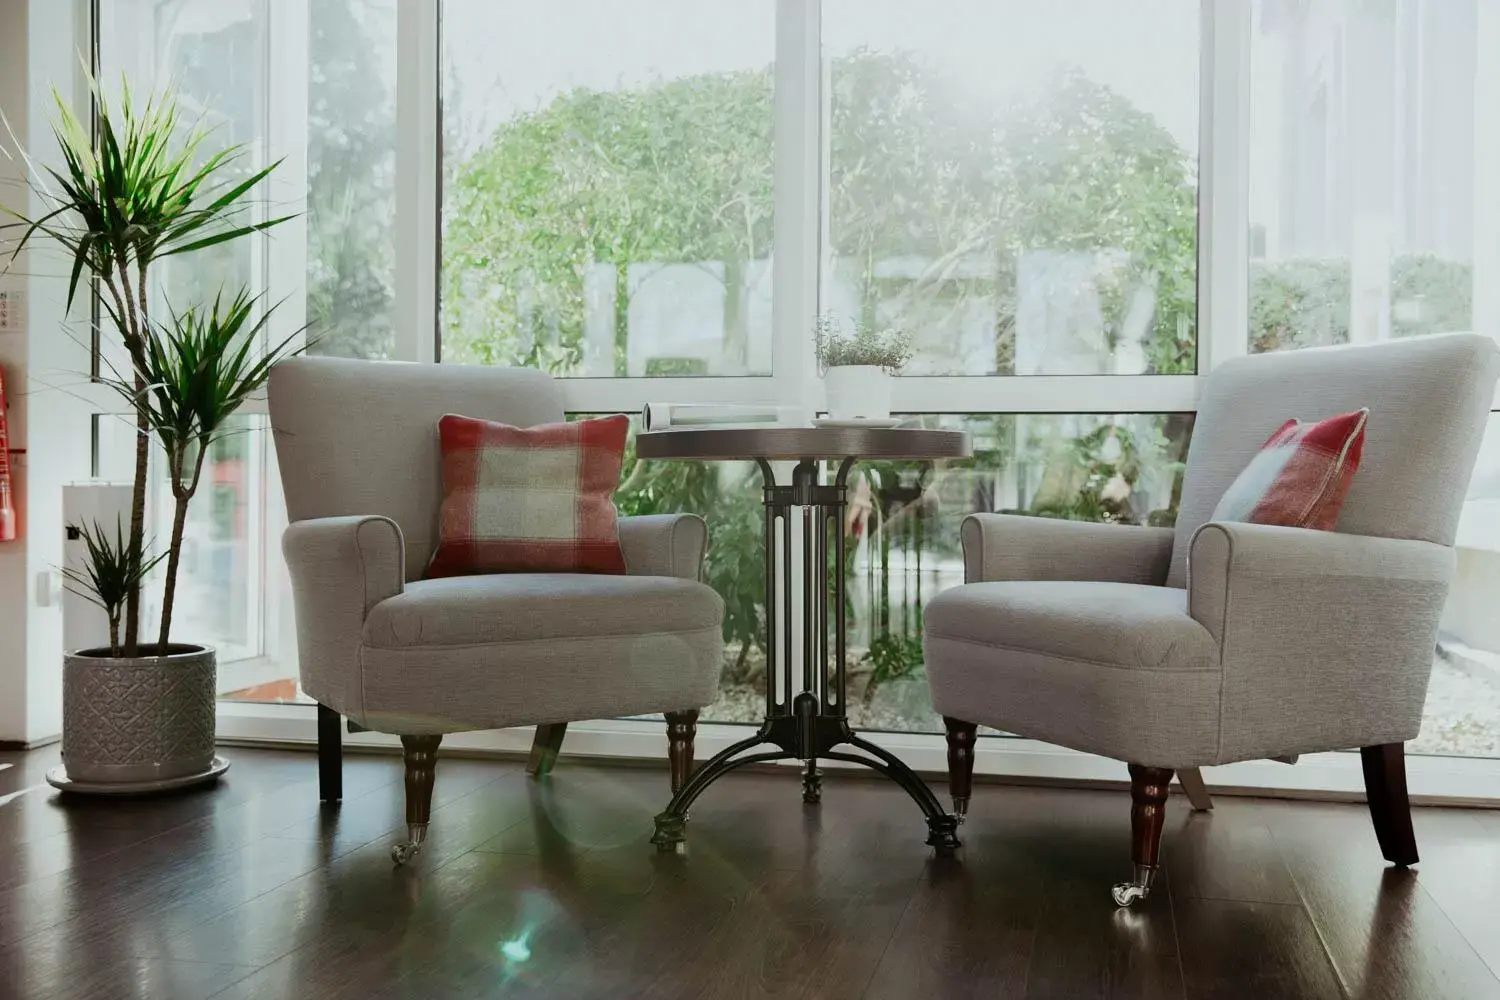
column 801, row 117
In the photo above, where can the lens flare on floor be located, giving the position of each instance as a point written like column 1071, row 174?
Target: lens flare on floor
column 516, row 950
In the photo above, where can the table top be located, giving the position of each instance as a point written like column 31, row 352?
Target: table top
column 796, row 443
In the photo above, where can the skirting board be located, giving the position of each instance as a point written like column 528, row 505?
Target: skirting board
column 1324, row 776
column 22, row 745
column 854, row 773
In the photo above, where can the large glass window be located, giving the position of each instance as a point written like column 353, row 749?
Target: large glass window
column 1362, row 175
column 1016, row 183
column 1365, row 199
column 351, row 177
column 212, row 55
column 1463, row 696
column 334, row 129
column 607, row 181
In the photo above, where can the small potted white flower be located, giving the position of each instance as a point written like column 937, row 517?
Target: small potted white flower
column 857, row 367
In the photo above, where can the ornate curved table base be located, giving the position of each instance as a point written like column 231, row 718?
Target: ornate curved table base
column 812, row 724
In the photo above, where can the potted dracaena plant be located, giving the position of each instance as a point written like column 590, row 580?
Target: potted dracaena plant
column 138, row 714
column 857, row 368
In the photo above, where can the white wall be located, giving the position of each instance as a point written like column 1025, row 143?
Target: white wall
column 59, row 355
column 45, row 368
column 13, row 104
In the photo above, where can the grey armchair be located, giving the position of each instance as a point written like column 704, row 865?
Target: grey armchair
column 357, row 446
column 1172, row 649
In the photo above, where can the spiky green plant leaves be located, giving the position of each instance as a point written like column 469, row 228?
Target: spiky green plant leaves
column 146, row 186
column 114, row 567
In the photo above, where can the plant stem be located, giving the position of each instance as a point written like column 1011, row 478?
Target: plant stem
column 131, row 334
column 182, row 492
column 179, row 522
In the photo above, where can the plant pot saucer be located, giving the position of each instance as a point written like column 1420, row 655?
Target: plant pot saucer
column 58, row 778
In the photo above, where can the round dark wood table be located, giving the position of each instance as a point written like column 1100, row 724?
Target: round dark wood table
column 810, row 724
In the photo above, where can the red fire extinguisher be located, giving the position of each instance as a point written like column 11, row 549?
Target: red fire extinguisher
column 7, row 508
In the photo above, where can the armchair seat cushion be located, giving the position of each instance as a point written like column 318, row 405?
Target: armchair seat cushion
column 1130, row 626
column 488, row 652
column 522, row 607
column 1110, row 668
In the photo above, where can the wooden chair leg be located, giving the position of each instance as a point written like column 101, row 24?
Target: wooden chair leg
column 421, row 765
column 1148, row 811
column 1390, row 808
column 1197, row 793
column 682, row 729
column 330, row 755
column 545, row 746
column 961, row 736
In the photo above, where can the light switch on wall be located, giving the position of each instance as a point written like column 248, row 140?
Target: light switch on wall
column 12, row 310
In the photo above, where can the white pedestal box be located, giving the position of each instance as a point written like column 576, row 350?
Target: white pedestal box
column 85, row 626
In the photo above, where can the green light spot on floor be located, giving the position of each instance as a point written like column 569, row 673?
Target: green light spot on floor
column 516, row 949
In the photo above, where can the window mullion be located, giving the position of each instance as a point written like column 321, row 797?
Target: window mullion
column 1224, row 184
column 284, row 251
column 798, row 196
column 1045, row 394
column 417, row 122
column 1486, row 278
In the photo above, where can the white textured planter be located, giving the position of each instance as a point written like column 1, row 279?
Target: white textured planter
column 858, row 392
column 138, row 720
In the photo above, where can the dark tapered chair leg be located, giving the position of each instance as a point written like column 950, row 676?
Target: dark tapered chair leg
column 421, row 764
column 961, row 736
column 330, row 755
column 545, row 746
column 1390, row 809
column 682, row 729
column 1148, row 810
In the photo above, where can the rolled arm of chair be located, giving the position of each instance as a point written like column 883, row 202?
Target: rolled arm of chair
column 1015, row 547
column 1326, row 639
column 341, row 567
column 664, row 545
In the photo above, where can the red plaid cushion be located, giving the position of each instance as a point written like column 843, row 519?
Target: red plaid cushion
column 1301, row 476
column 529, row 499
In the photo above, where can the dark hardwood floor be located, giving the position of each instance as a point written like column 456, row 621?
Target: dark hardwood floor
column 250, row 890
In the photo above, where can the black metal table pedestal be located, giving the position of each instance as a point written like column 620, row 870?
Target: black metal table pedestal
column 811, row 725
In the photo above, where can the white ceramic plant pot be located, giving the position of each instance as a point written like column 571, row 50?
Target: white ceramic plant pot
column 858, row 392
column 138, row 720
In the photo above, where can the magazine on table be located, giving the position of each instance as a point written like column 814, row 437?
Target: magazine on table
column 668, row 416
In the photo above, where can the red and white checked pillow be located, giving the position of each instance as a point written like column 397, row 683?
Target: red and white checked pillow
column 1301, row 476
column 529, row 499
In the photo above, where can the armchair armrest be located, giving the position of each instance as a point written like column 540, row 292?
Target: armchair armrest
column 1015, row 547
column 1326, row 640
column 341, row 567
column 664, row 545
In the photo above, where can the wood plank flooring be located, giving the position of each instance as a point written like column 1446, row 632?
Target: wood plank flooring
column 251, row 890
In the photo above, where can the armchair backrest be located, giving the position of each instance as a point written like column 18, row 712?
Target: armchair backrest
column 361, row 437
column 1429, row 399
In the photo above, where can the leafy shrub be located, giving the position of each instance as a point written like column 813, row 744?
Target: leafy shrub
column 1304, row 301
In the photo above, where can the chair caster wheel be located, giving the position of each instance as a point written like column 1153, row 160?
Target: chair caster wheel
column 1129, row 893
column 402, row 853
